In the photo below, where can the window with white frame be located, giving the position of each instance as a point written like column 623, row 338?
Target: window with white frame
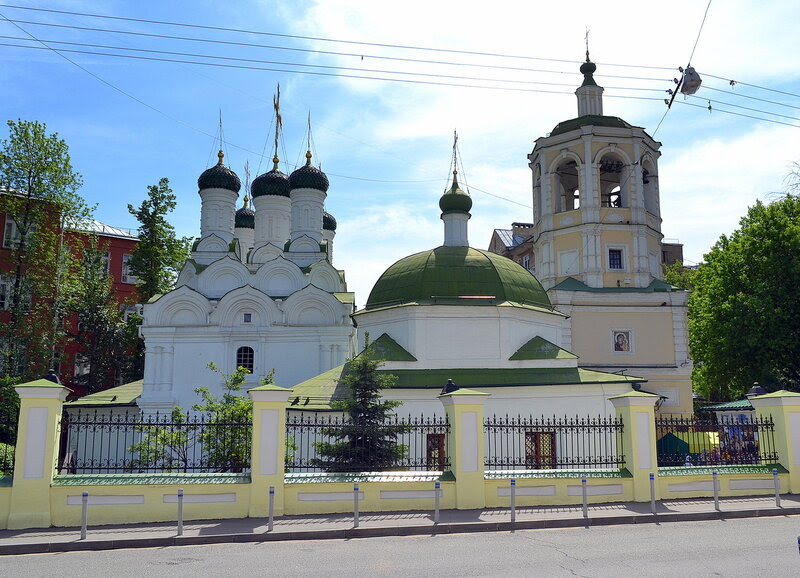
column 7, row 293
column 127, row 276
column 616, row 258
column 12, row 235
column 245, row 357
column 6, row 288
column 82, row 366
column 526, row 262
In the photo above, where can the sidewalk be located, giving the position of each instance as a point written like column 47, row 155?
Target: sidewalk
column 340, row 526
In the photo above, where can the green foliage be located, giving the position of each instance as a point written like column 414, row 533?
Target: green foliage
column 744, row 312
column 6, row 459
column 367, row 442
column 100, row 332
column 224, row 436
column 9, row 418
column 38, row 190
column 227, row 447
column 163, row 447
column 159, row 255
column 679, row 275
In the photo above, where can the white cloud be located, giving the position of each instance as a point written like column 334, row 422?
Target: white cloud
column 706, row 188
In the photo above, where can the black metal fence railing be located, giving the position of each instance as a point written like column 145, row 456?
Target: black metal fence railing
column 553, row 443
column 689, row 441
column 102, row 442
column 8, row 441
column 324, row 442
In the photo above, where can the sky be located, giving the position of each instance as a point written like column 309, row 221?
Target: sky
column 386, row 145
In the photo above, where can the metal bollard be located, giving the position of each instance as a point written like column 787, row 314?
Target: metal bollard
column 271, row 507
column 715, row 483
column 653, row 493
column 180, row 511
column 513, row 500
column 355, row 505
column 436, row 491
column 585, row 505
column 777, row 487
column 84, row 514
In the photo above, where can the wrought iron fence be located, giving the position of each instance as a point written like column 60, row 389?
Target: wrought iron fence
column 102, row 442
column 8, row 441
column 553, row 442
column 689, row 441
column 324, row 442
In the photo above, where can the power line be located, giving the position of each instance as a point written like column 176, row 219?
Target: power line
column 329, row 74
column 315, row 38
column 734, row 82
column 320, row 66
column 699, row 32
column 328, row 52
column 740, row 114
column 743, row 107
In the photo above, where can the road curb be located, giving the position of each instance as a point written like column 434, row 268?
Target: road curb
column 383, row 531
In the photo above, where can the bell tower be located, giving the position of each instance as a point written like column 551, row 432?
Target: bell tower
column 596, row 199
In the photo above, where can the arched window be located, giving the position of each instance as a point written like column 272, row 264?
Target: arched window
column 612, row 177
column 567, row 187
column 245, row 358
column 650, row 187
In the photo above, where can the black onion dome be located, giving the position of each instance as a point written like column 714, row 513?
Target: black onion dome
column 328, row 222
column 219, row 177
column 273, row 183
column 245, row 218
column 309, row 177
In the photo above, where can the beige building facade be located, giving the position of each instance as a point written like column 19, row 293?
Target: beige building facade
column 597, row 248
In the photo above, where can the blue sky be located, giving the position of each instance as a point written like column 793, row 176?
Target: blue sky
column 386, row 146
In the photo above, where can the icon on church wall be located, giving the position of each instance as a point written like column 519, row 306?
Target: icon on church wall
column 621, row 341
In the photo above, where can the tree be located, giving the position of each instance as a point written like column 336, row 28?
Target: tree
column 159, row 255
column 222, row 432
column 368, row 442
column 38, row 194
column 744, row 312
column 100, row 330
column 680, row 276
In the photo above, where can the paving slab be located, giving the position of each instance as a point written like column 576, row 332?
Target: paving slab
column 340, row 526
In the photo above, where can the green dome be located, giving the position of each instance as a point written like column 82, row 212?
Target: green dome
column 452, row 275
column 455, row 200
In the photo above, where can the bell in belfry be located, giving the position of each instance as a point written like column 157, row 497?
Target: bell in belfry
column 691, row 81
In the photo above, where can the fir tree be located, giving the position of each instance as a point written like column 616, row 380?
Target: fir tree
column 368, row 441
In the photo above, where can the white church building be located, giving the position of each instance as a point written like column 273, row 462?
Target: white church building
column 259, row 291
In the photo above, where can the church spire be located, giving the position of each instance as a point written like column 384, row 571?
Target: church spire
column 590, row 95
column 455, row 205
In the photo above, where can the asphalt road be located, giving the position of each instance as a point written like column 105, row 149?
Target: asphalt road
column 747, row 547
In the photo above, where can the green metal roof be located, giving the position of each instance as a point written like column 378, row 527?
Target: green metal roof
column 387, row 349
column 540, row 348
column 317, row 393
column 739, row 404
column 587, row 120
column 457, row 276
column 656, row 286
column 126, row 394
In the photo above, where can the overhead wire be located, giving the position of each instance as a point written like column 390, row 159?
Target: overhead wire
column 326, row 52
column 317, row 73
column 314, row 38
column 319, row 66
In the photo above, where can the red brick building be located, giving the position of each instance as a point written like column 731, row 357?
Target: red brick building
column 119, row 245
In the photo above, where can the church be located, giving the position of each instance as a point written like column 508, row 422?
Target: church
column 259, row 290
column 596, row 320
